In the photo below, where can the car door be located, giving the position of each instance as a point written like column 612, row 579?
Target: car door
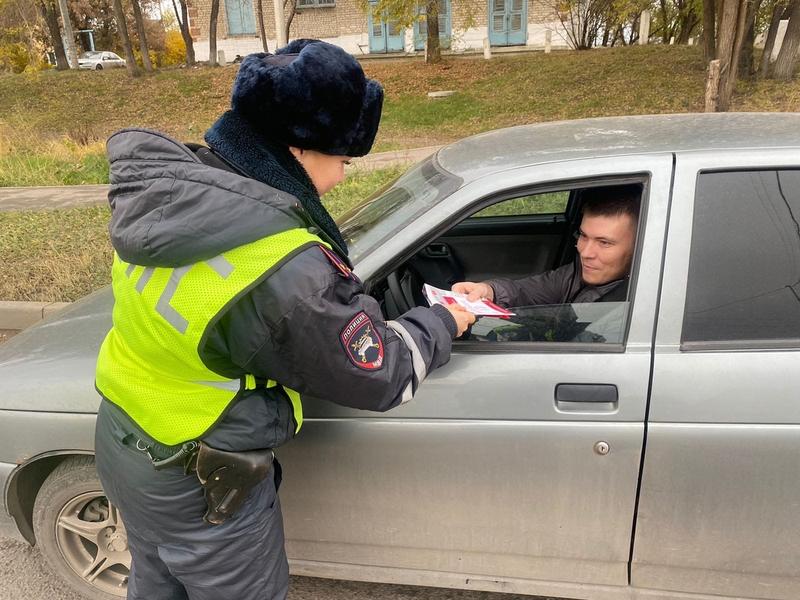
column 485, row 480
column 719, row 501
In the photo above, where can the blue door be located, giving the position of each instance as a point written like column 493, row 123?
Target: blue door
column 421, row 27
column 383, row 36
column 508, row 22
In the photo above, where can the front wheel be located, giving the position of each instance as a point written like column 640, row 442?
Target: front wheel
column 80, row 532
column 98, row 68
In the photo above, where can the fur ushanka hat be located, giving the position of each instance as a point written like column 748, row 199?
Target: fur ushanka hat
column 311, row 95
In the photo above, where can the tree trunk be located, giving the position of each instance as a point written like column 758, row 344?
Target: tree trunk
column 748, row 44
column 183, row 23
column 712, row 86
column 140, row 31
column 709, row 30
column 664, row 21
column 686, row 25
column 261, row 30
column 122, row 27
column 50, row 17
column 787, row 57
column 212, row 33
column 69, row 35
column 731, row 32
column 292, row 5
column 769, row 44
column 433, row 51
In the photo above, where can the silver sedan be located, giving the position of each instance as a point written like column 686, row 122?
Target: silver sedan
column 637, row 449
column 98, row 60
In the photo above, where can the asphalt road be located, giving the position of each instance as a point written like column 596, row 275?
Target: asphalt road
column 24, row 575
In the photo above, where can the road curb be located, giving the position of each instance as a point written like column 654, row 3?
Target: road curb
column 19, row 315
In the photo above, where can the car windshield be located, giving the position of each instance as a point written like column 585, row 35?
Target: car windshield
column 91, row 54
column 368, row 225
column 596, row 322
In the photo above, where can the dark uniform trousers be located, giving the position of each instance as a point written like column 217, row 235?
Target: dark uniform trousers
column 176, row 555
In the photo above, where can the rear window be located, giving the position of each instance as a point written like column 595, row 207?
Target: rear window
column 743, row 286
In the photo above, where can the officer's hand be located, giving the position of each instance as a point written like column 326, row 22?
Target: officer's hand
column 463, row 317
column 474, row 291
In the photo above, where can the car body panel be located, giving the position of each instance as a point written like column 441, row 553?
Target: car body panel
column 464, row 496
column 496, row 151
column 50, row 366
column 719, row 499
column 8, row 526
column 719, row 509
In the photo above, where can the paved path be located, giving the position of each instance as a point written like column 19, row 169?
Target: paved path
column 36, row 198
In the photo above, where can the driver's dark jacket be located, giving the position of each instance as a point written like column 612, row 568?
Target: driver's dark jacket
column 173, row 205
column 559, row 286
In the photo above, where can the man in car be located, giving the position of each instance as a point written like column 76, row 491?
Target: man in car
column 605, row 243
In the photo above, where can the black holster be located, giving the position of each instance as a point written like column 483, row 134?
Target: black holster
column 228, row 477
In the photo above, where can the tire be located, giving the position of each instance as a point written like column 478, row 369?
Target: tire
column 79, row 533
column 99, row 67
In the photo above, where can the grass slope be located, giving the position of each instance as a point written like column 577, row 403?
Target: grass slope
column 52, row 124
column 61, row 255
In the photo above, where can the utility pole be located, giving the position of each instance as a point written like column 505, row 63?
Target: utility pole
column 69, row 35
column 280, row 24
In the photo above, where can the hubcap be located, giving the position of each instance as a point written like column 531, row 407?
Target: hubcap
column 92, row 539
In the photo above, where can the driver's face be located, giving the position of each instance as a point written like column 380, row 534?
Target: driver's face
column 605, row 245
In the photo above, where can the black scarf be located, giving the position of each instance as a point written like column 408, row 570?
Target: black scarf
column 271, row 162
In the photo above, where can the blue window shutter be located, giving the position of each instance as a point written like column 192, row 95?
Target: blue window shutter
column 241, row 17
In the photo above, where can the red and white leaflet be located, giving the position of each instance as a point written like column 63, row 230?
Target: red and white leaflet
column 484, row 308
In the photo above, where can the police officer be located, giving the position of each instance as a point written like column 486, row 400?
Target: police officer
column 234, row 299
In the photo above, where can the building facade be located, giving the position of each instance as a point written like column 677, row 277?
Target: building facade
column 463, row 25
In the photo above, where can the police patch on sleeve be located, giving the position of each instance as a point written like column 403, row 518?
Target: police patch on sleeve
column 362, row 344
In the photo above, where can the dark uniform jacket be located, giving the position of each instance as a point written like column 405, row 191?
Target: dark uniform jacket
column 170, row 207
column 559, row 286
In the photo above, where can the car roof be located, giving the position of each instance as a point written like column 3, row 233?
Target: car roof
column 525, row 145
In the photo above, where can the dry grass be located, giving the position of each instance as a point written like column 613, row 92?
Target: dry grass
column 52, row 123
column 57, row 255
column 61, row 255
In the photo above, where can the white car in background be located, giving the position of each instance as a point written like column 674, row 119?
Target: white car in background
column 98, row 60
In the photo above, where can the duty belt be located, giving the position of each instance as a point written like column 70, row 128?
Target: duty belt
column 161, row 455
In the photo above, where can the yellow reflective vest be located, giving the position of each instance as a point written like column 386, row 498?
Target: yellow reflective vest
column 149, row 364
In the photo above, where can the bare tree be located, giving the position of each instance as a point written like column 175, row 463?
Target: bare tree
column 261, row 30
column 729, row 46
column 122, row 28
column 582, row 20
column 68, row 36
column 48, row 12
column 212, row 33
column 787, row 57
column 292, row 6
column 779, row 12
column 748, row 44
column 140, row 31
column 183, row 23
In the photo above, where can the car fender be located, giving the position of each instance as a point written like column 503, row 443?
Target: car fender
column 24, row 483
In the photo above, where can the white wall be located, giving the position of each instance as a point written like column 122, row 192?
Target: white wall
column 471, row 39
